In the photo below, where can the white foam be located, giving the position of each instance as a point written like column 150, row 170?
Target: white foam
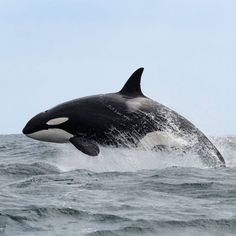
column 121, row 159
column 226, row 145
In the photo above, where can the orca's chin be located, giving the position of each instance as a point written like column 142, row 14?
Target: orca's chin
column 54, row 135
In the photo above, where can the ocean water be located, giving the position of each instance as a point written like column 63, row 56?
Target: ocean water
column 51, row 189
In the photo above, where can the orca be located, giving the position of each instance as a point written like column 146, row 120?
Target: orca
column 125, row 118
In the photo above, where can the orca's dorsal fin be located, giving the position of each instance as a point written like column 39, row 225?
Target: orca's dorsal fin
column 132, row 86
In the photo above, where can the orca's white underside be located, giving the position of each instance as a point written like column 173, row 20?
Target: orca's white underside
column 51, row 135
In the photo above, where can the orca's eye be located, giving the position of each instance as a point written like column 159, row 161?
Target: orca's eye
column 57, row 121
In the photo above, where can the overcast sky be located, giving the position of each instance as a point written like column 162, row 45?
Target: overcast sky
column 54, row 51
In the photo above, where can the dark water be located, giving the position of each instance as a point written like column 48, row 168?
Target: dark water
column 49, row 189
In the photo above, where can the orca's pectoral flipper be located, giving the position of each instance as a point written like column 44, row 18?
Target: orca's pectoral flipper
column 85, row 145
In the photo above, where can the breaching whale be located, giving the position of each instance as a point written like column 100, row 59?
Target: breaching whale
column 126, row 118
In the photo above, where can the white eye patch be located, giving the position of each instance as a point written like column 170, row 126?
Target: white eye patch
column 57, row 121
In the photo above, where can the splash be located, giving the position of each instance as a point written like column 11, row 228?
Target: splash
column 122, row 160
column 227, row 146
column 68, row 158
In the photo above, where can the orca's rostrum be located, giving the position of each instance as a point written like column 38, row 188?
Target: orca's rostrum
column 126, row 118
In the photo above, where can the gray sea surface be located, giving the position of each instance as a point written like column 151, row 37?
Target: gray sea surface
column 52, row 189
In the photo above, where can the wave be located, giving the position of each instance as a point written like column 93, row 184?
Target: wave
column 172, row 227
column 118, row 225
column 34, row 213
column 20, row 169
